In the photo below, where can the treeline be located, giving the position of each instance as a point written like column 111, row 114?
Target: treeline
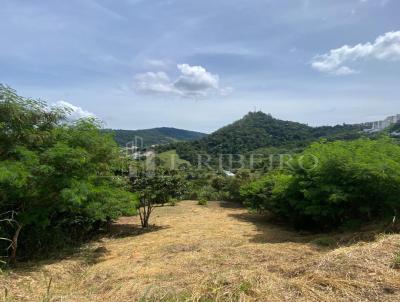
column 332, row 184
column 341, row 184
column 156, row 136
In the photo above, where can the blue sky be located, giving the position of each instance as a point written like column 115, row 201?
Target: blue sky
column 202, row 64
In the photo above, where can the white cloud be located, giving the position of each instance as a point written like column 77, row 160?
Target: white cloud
column 384, row 48
column 379, row 2
column 75, row 112
column 193, row 81
column 153, row 63
column 153, row 83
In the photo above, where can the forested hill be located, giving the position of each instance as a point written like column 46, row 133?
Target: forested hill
column 254, row 130
column 155, row 136
column 258, row 130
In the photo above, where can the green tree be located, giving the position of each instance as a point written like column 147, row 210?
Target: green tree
column 56, row 176
column 156, row 188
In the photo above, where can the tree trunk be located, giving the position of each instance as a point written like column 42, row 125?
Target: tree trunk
column 14, row 244
column 144, row 213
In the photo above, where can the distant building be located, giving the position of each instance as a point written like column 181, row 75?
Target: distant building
column 229, row 173
column 149, row 153
column 382, row 125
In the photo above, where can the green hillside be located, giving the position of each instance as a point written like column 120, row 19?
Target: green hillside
column 170, row 159
column 259, row 130
column 155, row 136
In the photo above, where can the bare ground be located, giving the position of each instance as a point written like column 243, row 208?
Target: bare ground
column 215, row 253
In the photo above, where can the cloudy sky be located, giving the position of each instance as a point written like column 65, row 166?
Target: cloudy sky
column 202, row 64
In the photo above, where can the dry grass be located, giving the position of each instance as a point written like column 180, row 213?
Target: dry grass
column 213, row 253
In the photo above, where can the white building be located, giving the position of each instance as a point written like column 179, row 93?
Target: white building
column 382, row 125
column 228, row 173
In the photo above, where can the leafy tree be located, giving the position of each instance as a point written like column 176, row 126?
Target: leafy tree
column 156, row 188
column 57, row 177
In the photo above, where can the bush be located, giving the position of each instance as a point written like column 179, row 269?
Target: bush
column 351, row 182
column 202, row 202
column 227, row 188
column 267, row 193
column 173, row 202
column 396, row 261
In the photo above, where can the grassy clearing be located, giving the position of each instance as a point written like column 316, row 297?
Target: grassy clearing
column 170, row 159
column 214, row 253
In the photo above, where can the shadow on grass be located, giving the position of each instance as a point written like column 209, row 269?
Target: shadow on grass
column 122, row 230
column 88, row 252
column 273, row 231
column 270, row 231
column 231, row 205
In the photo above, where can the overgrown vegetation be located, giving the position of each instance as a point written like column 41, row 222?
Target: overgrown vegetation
column 202, row 202
column 330, row 184
column 57, row 178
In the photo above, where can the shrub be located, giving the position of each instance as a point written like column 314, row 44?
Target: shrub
column 227, row 188
column 207, row 192
column 173, row 202
column 351, row 182
column 267, row 193
column 396, row 261
column 202, row 202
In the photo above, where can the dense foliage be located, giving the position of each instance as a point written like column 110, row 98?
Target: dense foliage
column 259, row 130
column 56, row 178
column 155, row 136
column 332, row 184
column 215, row 185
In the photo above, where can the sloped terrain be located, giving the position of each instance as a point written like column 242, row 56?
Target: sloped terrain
column 218, row 252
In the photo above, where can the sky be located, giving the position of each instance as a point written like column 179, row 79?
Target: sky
column 200, row 65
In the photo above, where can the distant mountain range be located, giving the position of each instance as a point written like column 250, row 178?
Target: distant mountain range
column 154, row 136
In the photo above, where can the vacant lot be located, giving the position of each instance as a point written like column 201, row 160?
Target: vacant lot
column 214, row 253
